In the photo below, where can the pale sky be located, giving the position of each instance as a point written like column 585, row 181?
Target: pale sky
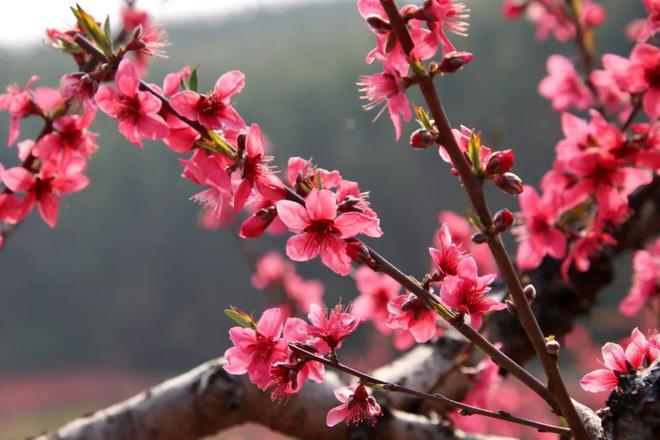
column 24, row 21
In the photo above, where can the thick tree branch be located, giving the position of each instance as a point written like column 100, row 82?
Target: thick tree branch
column 420, row 369
column 633, row 411
column 464, row 409
column 207, row 400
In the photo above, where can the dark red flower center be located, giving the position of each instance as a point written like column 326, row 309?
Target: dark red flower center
column 130, row 108
column 210, row 104
column 323, row 227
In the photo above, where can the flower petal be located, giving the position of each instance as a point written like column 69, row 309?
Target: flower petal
column 293, row 215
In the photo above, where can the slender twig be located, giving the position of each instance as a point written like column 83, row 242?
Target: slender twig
column 583, row 46
column 384, row 266
column 465, row 409
column 474, row 188
column 633, row 113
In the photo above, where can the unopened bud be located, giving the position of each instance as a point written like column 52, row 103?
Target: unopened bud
column 512, row 9
column 358, row 252
column 552, row 347
column 500, row 162
column 378, row 24
column 503, row 220
column 421, row 139
column 509, row 183
column 530, row 292
column 480, row 238
column 454, row 61
column 78, row 86
column 255, row 225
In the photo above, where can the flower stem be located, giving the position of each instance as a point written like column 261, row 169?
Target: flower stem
column 465, row 410
column 474, row 188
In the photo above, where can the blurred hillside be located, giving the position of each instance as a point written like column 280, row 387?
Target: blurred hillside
column 128, row 279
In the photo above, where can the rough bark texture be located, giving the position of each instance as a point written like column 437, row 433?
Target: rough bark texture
column 421, row 368
column 563, row 302
column 207, row 400
column 634, row 409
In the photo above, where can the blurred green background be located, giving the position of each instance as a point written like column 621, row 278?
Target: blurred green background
column 129, row 286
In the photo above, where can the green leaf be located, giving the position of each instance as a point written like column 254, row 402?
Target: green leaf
column 106, row 28
column 474, row 220
column 240, row 317
column 423, row 118
column 474, row 152
column 92, row 29
column 319, row 181
column 107, row 33
column 442, row 311
column 192, row 82
column 418, row 68
column 221, row 146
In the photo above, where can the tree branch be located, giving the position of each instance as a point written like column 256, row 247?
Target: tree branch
column 380, row 263
column 464, row 409
column 207, row 400
column 474, row 187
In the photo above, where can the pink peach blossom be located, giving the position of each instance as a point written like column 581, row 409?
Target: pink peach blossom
column 135, row 111
column 466, row 292
column 389, row 89
column 357, row 406
column 256, row 173
column 209, row 170
column 618, row 361
column 376, row 291
column 213, row 110
column 444, row 15
column 638, row 74
column 563, row 85
column 461, row 232
column 331, row 326
column 256, row 350
column 19, row 104
column 407, row 312
column 319, row 230
column 46, row 188
column 69, row 138
column 646, row 281
column 538, row 235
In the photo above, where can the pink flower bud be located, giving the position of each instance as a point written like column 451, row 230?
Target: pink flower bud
column 500, row 162
column 421, row 139
column 454, row 61
column 530, row 292
column 357, row 251
column 513, row 8
column 509, row 183
column 503, row 220
column 78, row 86
column 255, row 225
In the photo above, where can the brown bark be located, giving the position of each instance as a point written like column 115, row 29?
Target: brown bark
column 633, row 411
column 207, row 400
